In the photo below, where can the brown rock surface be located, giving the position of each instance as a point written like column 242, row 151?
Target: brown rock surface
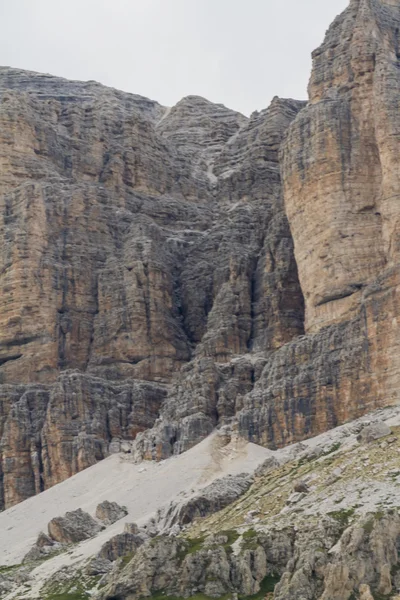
column 110, row 512
column 73, row 527
column 134, row 238
column 150, row 259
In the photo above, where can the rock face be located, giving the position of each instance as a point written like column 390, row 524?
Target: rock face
column 209, row 500
column 135, row 240
column 73, row 527
column 341, row 184
column 321, row 560
column 110, row 512
column 160, row 267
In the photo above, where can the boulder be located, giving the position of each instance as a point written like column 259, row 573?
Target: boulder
column 214, row 497
column 44, row 540
column 110, row 512
column 301, row 487
column 131, row 528
column 270, row 464
column 122, row 544
column 98, row 566
column 373, row 432
column 73, row 527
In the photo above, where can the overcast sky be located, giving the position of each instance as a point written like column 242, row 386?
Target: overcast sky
column 238, row 52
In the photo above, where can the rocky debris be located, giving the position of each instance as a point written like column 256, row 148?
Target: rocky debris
column 123, row 544
column 98, row 566
column 373, row 432
column 43, row 548
column 301, row 487
column 211, row 499
column 44, row 540
column 110, row 512
column 10, row 579
column 270, row 464
column 295, row 497
column 161, row 279
column 301, row 534
column 131, row 528
column 320, row 560
column 252, row 516
column 73, row 527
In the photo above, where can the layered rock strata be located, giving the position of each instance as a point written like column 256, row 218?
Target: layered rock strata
column 135, row 239
column 155, row 270
column 339, row 173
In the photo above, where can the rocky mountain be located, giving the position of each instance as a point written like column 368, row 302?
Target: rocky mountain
column 318, row 519
column 136, row 240
column 199, row 336
column 167, row 271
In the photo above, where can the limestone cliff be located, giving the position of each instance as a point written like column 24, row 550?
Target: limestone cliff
column 134, row 239
column 160, row 267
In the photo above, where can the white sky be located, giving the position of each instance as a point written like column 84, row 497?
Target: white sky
column 238, row 52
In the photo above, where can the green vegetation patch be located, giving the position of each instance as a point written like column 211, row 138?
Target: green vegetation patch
column 267, row 586
column 249, row 540
column 368, row 526
column 127, row 558
column 76, row 588
column 232, row 536
column 9, row 569
column 342, row 516
column 334, row 448
column 68, row 596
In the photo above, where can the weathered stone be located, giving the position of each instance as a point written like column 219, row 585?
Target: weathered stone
column 373, row 432
column 133, row 269
column 73, row 527
column 122, row 544
column 98, row 566
column 301, row 487
column 340, row 173
column 268, row 465
column 44, row 540
column 207, row 501
column 110, row 512
column 131, row 528
column 43, row 548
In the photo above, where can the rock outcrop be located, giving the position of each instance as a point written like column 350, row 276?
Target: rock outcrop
column 324, row 560
column 110, row 512
column 341, row 187
column 73, row 527
column 168, row 271
column 211, row 499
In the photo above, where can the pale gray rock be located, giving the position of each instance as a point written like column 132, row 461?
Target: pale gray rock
column 73, row 527
column 270, row 464
column 110, row 512
column 98, row 566
column 122, row 544
column 211, row 499
column 131, row 528
column 373, row 432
